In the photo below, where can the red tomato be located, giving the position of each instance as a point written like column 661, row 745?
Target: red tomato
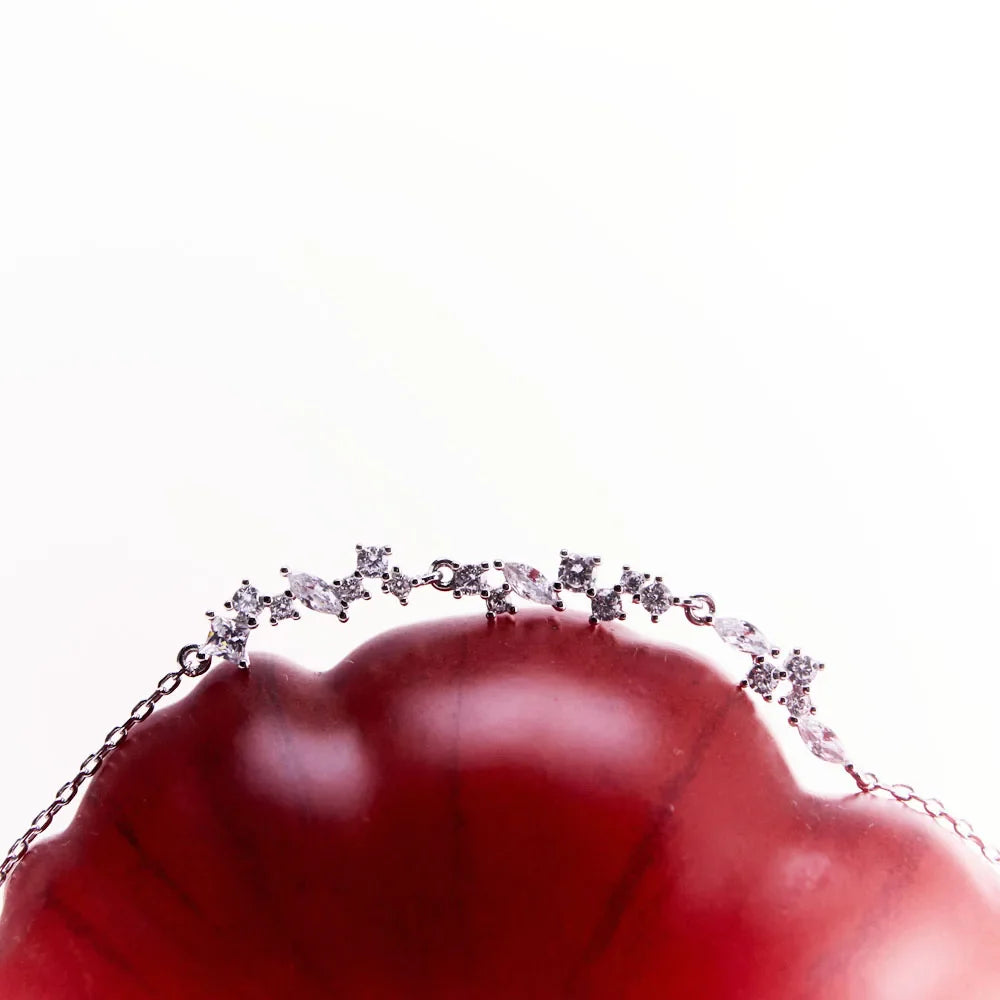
column 528, row 809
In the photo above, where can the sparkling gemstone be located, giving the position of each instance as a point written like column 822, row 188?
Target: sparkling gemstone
column 821, row 740
column 798, row 703
column 373, row 560
column 655, row 597
column 398, row 585
column 529, row 583
column 576, row 572
column 497, row 602
column 469, row 579
column 246, row 600
column 762, row 679
column 742, row 635
column 227, row 638
column 351, row 588
column 606, row 605
column 282, row 606
column 315, row 594
column 632, row 580
column 801, row 669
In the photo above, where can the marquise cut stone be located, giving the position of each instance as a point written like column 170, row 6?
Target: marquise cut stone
column 821, row 740
column 315, row 593
column 528, row 582
column 742, row 635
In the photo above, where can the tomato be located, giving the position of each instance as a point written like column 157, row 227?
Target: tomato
column 532, row 808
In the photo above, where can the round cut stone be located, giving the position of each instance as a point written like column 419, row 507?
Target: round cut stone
column 282, row 606
column 606, row 605
column 798, row 703
column 576, row 572
column 373, row 560
column 469, row 579
column 821, row 740
column 351, row 588
column 246, row 600
column 655, row 598
column 801, row 669
column 742, row 635
column 227, row 637
column 315, row 593
column 762, row 679
column 497, row 602
column 632, row 580
column 528, row 582
column 398, row 585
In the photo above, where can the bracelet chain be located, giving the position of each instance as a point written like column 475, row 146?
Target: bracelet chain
column 227, row 640
column 189, row 666
column 871, row 784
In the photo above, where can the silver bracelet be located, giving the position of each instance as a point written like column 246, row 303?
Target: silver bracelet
column 786, row 681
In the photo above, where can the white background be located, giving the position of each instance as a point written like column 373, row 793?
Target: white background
column 707, row 287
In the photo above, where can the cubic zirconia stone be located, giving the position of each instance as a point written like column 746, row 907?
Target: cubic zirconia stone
column 351, row 588
column 655, row 598
column 606, row 605
column 315, row 593
column 576, row 572
column 282, row 606
column 742, row 635
column 497, row 602
column 801, row 669
column 373, row 560
column 398, row 585
column 798, row 703
column 227, row 637
column 632, row 581
column 469, row 579
column 762, row 679
column 527, row 582
column 246, row 600
column 821, row 740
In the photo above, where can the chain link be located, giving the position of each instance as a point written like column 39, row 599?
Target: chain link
column 188, row 666
column 694, row 604
column 934, row 808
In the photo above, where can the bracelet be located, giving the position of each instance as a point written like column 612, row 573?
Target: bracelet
column 767, row 675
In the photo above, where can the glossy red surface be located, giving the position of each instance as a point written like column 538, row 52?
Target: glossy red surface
column 529, row 809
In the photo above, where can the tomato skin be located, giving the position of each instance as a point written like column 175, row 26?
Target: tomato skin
column 532, row 808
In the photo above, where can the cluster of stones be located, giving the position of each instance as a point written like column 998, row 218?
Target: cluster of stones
column 768, row 672
column 575, row 575
column 228, row 635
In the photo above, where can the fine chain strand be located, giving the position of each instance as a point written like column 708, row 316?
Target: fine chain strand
column 189, row 666
column 227, row 640
column 870, row 783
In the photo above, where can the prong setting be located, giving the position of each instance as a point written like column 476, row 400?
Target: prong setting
column 576, row 574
